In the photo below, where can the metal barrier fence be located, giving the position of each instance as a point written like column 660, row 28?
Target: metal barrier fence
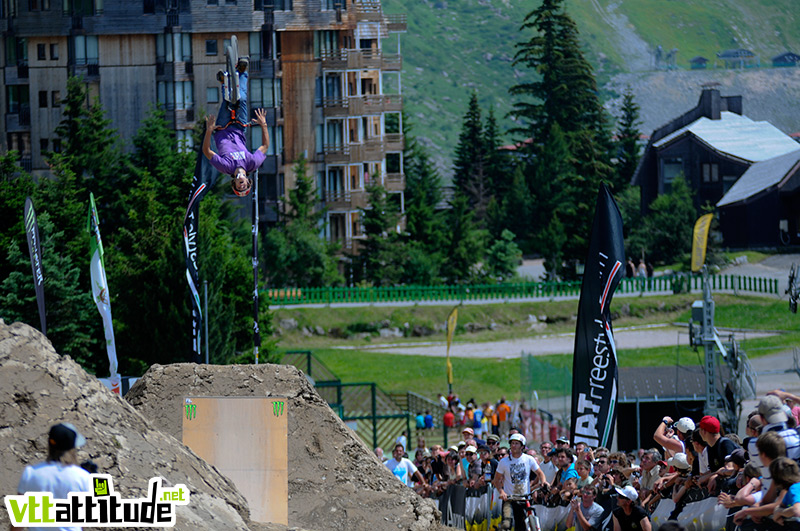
column 365, row 407
column 525, row 290
column 368, row 410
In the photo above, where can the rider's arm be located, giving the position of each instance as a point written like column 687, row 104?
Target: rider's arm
column 261, row 121
column 211, row 121
column 498, row 483
column 542, row 478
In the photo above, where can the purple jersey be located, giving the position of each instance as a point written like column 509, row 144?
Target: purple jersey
column 233, row 152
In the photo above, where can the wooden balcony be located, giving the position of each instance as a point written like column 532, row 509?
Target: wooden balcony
column 396, row 23
column 336, row 154
column 347, row 200
column 393, row 142
column 336, row 107
column 368, row 11
column 357, row 59
column 394, row 182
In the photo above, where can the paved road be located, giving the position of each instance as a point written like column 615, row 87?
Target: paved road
column 626, row 338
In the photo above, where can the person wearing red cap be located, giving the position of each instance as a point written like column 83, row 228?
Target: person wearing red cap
column 60, row 473
column 719, row 448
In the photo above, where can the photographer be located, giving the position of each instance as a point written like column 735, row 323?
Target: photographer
column 671, row 437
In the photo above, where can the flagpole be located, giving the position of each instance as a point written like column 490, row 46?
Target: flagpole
column 205, row 312
column 256, row 332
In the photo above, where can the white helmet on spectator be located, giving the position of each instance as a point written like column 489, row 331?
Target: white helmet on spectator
column 518, row 437
column 684, row 425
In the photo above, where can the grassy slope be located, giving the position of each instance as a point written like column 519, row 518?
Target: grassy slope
column 454, row 47
column 487, row 379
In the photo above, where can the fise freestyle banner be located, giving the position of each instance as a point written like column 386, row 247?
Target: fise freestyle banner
column 594, row 366
column 205, row 176
column 35, row 250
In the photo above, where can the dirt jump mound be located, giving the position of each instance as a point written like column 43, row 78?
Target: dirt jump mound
column 335, row 481
column 39, row 388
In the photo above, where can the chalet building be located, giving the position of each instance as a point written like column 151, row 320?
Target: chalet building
column 712, row 145
column 785, row 59
column 738, row 58
column 698, row 62
column 762, row 209
column 317, row 66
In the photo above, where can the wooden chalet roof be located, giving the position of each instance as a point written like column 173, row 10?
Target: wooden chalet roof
column 736, row 53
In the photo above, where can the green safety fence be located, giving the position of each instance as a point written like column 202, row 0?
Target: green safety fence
column 524, row 290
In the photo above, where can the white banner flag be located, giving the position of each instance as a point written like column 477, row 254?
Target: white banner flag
column 100, row 294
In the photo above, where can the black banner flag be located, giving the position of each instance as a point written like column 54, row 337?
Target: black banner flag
column 35, row 250
column 205, row 177
column 594, row 366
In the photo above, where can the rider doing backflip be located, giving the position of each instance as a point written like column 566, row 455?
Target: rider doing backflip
column 233, row 158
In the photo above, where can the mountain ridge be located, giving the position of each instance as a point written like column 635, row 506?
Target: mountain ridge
column 454, row 47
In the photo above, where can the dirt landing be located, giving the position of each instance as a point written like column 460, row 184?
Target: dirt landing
column 39, row 388
column 335, row 481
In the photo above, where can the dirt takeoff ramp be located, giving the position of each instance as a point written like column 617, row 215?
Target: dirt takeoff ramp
column 39, row 388
column 335, row 481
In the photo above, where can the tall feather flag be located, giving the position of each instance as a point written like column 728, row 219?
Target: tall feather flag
column 203, row 180
column 35, row 251
column 700, row 241
column 100, row 293
column 594, row 365
column 452, row 319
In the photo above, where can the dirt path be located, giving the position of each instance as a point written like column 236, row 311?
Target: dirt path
column 626, row 338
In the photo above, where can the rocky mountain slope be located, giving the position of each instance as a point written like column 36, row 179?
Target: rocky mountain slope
column 452, row 48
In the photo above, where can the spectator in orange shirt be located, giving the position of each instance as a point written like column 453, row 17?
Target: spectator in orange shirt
column 503, row 417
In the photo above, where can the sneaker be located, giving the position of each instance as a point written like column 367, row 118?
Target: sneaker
column 242, row 65
column 220, row 76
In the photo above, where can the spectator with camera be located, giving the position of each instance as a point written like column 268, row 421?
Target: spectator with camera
column 671, row 436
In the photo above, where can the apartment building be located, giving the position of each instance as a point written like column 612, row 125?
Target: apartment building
column 319, row 67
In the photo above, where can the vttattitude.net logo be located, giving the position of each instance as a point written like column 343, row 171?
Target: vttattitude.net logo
column 101, row 508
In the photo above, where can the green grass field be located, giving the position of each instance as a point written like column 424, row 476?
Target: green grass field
column 488, row 379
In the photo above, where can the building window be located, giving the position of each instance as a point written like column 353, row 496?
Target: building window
column 56, row 145
column 43, row 145
column 394, row 163
column 42, row 99
column 670, row 168
column 212, row 2
column 319, row 137
column 211, row 47
column 56, row 98
column 326, row 42
column 212, row 94
column 175, row 95
column 148, row 7
column 16, row 51
column 185, row 140
column 17, row 98
column 174, row 47
column 41, row 52
column 54, row 52
column 256, row 46
column 710, row 173
column 727, row 182
column 86, row 50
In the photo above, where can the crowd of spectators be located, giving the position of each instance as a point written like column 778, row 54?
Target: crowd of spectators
column 755, row 477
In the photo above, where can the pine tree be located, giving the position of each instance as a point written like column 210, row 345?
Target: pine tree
column 424, row 225
column 465, row 243
column 73, row 322
column 295, row 255
column 565, row 95
column 381, row 256
column 15, row 186
column 627, row 145
column 470, row 175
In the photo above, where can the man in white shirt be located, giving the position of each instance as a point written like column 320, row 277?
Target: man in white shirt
column 513, row 478
column 404, row 469
column 547, row 465
column 60, row 474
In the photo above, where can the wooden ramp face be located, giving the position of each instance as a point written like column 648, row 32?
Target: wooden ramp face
column 246, row 439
